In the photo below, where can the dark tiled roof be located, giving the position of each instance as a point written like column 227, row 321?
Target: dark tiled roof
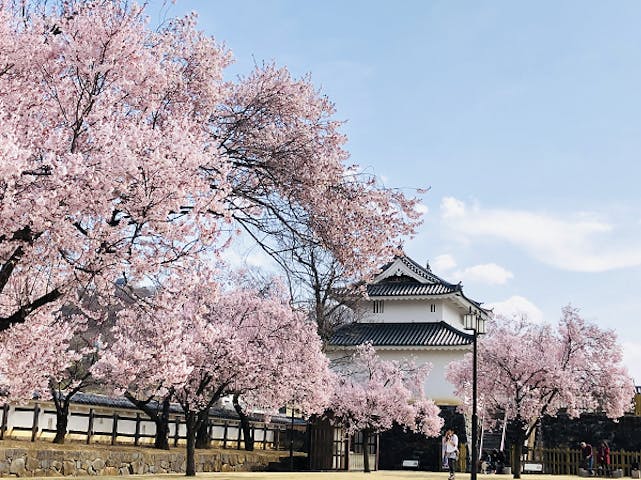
column 97, row 400
column 101, row 400
column 409, row 289
column 435, row 285
column 400, row 335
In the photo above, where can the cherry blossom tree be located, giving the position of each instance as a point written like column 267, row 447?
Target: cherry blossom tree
column 125, row 151
column 373, row 394
column 324, row 221
column 199, row 341
column 529, row 370
column 25, row 372
column 102, row 142
column 145, row 358
column 289, row 164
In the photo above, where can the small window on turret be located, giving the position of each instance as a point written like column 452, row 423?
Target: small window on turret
column 433, row 308
column 378, row 306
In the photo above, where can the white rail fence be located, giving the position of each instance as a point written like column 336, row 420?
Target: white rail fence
column 103, row 425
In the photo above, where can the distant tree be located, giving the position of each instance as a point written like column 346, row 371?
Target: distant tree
column 373, row 394
column 322, row 286
column 48, row 357
column 529, row 370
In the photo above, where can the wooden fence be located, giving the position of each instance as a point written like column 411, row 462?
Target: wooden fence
column 565, row 461
column 97, row 425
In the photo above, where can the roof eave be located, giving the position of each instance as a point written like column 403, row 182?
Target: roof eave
column 335, row 348
column 411, row 297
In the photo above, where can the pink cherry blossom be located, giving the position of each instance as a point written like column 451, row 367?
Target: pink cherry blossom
column 527, row 370
column 124, row 151
column 199, row 341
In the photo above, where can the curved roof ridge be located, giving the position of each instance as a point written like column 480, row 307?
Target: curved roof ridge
column 402, row 288
column 424, row 272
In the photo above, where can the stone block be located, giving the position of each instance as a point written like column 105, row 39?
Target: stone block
column 98, row 464
column 84, row 465
column 32, row 464
column 137, row 467
column 68, row 467
column 618, row 473
column 18, row 467
column 110, row 471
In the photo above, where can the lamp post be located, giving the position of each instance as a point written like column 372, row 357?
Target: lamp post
column 291, row 443
column 474, row 321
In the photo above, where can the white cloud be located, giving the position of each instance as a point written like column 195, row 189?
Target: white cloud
column 452, row 208
column 632, row 360
column 443, row 263
column 488, row 273
column 517, row 306
column 580, row 243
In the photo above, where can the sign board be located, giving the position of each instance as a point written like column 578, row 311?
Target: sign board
column 529, row 467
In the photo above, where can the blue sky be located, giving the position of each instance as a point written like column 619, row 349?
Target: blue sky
column 523, row 118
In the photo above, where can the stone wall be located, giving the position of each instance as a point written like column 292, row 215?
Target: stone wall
column 70, row 461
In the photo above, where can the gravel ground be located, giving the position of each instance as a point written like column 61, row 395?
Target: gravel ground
column 381, row 475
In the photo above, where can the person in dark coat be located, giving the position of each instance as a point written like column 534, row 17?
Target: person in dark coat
column 588, row 457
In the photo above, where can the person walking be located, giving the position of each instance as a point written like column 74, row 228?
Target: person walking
column 451, row 451
column 603, row 458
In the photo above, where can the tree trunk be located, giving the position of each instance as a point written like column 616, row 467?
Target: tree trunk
column 159, row 417
column 191, row 424
column 161, row 441
column 202, row 435
column 62, row 419
column 366, row 467
column 244, row 424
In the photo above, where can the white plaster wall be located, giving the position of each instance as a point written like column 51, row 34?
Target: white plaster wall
column 452, row 315
column 19, row 418
column 404, row 311
column 413, row 311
